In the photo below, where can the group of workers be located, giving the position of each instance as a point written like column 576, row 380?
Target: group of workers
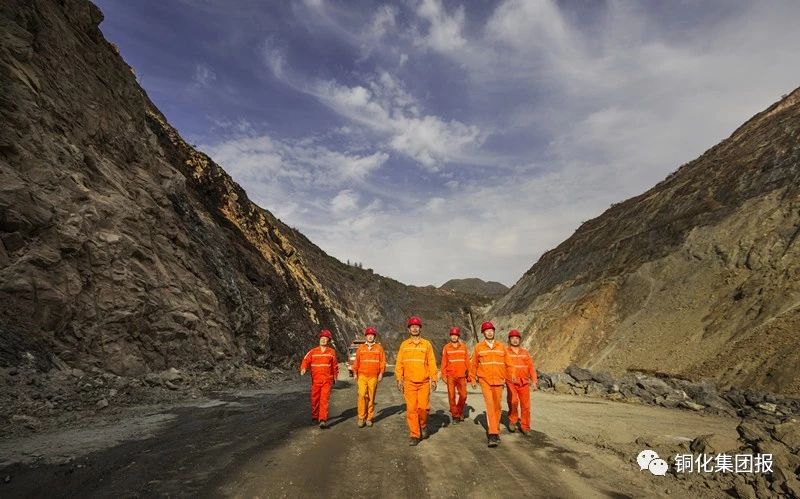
column 492, row 365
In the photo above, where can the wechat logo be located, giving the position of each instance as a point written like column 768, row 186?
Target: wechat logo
column 649, row 460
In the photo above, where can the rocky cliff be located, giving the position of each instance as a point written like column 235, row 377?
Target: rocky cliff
column 697, row 277
column 126, row 250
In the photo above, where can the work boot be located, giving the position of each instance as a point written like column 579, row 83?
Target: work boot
column 413, row 441
column 493, row 441
column 456, row 420
column 524, row 431
column 512, row 428
column 314, row 422
column 323, row 424
column 369, row 422
column 424, row 432
column 361, row 423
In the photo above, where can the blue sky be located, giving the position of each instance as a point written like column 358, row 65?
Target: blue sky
column 432, row 140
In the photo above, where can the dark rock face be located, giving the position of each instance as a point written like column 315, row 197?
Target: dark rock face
column 699, row 277
column 123, row 248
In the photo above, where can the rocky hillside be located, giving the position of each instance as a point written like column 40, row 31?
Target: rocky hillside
column 475, row 286
column 126, row 250
column 697, row 277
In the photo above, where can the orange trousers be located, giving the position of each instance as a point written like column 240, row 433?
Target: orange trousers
column 320, row 394
column 492, row 397
column 456, row 386
column 519, row 405
column 367, row 386
column 418, row 398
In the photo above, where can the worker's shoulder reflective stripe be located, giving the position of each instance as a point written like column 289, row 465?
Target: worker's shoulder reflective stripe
column 413, row 360
column 456, row 360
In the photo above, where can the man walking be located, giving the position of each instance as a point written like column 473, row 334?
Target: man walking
column 368, row 370
column 455, row 371
column 488, row 366
column 523, row 379
column 324, row 371
column 416, row 377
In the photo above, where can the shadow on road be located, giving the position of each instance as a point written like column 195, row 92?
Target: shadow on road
column 342, row 384
column 481, row 420
column 388, row 411
column 437, row 421
column 467, row 409
column 344, row 416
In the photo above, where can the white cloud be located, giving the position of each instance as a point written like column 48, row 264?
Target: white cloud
column 387, row 109
column 444, row 30
column 301, row 163
column 203, row 75
column 274, row 57
column 345, row 201
column 383, row 21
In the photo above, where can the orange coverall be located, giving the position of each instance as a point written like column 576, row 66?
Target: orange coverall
column 370, row 362
column 489, row 367
column 416, row 368
column 520, row 365
column 455, row 369
column 324, row 371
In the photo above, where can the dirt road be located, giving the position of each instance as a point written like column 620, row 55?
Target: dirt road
column 261, row 444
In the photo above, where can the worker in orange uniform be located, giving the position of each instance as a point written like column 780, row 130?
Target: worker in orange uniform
column 416, row 377
column 523, row 378
column 368, row 370
column 488, row 367
column 324, row 371
column 455, row 371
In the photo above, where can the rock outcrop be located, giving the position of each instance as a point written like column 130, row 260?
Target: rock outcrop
column 126, row 250
column 697, row 277
column 475, row 286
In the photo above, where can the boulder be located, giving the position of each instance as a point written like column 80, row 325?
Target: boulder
column 170, row 374
column 789, row 434
column 563, row 380
column 655, row 386
column 603, row 378
column 751, row 432
column 767, row 407
column 578, row 373
column 714, row 444
column 595, row 390
column 688, row 404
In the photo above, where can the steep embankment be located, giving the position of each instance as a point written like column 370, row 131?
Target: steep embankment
column 697, row 277
column 125, row 249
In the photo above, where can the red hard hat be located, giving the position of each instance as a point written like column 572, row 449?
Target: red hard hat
column 455, row 331
column 325, row 334
column 486, row 325
column 370, row 330
column 414, row 321
column 513, row 333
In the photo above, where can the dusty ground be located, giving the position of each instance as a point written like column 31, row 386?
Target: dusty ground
column 261, row 444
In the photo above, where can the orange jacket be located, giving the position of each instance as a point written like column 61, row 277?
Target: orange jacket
column 415, row 361
column 323, row 364
column 369, row 361
column 489, row 364
column 455, row 360
column 520, row 364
